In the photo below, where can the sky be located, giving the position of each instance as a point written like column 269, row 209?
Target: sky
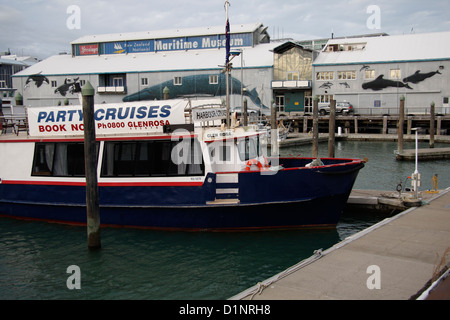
column 42, row 28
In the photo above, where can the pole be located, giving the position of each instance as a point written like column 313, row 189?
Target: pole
column 273, row 130
column 401, row 120
column 331, row 128
column 227, row 64
column 90, row 161
column 432, row 119
column 416, row 171
column 315, row 149
column 245, row 113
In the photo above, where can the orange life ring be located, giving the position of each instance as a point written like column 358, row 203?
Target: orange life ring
column 253, row 162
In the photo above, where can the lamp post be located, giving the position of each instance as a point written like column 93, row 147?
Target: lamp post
column 416, row 175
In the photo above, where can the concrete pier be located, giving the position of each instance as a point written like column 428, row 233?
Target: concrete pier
column 396, row 259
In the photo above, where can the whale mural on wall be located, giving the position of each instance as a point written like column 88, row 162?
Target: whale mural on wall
column 380, row 83
column 419, row 77
column 73, row 86
column 195, row 85
column 38, row 80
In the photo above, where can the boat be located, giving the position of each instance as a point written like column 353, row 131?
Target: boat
column 170, row 165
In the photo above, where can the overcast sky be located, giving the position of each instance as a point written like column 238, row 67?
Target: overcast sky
column 43, row 28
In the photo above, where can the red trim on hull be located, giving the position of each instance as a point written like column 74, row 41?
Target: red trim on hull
column 106, row 184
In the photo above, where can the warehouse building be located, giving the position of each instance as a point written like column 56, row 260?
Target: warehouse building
column 139, row 66
column 372, row 73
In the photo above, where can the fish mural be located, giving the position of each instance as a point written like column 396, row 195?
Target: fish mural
column 195, row 85
column 326, row 85
column 419, row 77
column 73, row 86
column 380, row 83
column 364, row 67
column 38, row 80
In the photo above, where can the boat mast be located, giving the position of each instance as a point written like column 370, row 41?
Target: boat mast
column 227, row 63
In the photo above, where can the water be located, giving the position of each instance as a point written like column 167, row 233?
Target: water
column 142, row 264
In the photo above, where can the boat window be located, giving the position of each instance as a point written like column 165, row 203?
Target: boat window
column 153, row 158
column 248, row 148
column 59, row 159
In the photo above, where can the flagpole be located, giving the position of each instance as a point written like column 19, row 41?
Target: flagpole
column 227, row 64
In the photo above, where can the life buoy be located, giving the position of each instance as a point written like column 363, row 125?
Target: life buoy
column 257, row 163
column 253, row 162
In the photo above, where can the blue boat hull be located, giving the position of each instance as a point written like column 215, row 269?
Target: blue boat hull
column 291, row 198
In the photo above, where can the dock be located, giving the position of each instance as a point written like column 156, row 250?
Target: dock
column 424, row 154
column 399, row 258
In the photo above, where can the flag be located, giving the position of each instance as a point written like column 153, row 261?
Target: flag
column 227, row 38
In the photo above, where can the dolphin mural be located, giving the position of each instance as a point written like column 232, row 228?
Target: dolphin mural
column 419, row 77
column 195, row 85
column 38, row 79
column 380, row 83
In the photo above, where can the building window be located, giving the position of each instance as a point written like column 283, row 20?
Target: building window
column 325, row 75
column 396, row 74
column 177, row 81
column 54, row 84
column 214, row 79
column 369, row 74
column 279, row 102
column 346, row 75
column 144, row 81
column 2, row 84
column 118, row 82
column 325, row 98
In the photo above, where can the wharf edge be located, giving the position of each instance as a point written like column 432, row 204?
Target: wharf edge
column 409, row 250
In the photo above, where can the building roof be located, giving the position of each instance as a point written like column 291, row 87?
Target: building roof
column 254, row 57
column 172, row 33
column 287, row 46
column 385, row 49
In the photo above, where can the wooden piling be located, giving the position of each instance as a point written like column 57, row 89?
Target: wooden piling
column 432, row 120
column 331, row 128
column 315, row 148
column 401, row 120
column 90, row 160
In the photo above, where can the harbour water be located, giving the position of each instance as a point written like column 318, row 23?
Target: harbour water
column 156, row 265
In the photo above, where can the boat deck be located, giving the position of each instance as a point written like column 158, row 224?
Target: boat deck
column 410, row 250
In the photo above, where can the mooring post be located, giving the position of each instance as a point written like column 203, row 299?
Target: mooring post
column 90, row 162
column 331, row 128
column 432, row 119
column 401, row 120
column 315, row 148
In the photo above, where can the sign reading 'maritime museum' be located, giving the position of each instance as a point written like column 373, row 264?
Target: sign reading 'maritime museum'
column 169, row 44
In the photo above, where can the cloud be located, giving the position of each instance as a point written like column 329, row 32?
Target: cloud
column 38, row 27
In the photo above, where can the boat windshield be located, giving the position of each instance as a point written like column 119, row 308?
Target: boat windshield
column 249, row 148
